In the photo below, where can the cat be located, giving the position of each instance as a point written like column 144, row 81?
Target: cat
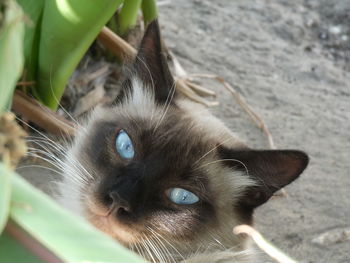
column 163, row 176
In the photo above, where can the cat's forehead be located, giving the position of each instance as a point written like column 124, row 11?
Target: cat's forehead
column 178, row 119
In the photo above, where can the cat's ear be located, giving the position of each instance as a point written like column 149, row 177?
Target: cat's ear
column 270, row 169
column 151, row 67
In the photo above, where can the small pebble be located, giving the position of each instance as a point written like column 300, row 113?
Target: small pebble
column 335, row 29
column 344, row 38
column 333, row 236
column 323, row 36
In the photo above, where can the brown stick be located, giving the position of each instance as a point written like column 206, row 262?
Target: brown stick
column 41, row 115
column 118, row 46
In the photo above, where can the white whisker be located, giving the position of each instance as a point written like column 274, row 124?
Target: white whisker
column 223, row 160
column 204, row 155
column 167, row 105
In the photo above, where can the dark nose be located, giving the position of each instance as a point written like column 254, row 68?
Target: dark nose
column 120, row 205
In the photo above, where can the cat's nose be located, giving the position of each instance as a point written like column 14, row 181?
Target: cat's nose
column 120, row 205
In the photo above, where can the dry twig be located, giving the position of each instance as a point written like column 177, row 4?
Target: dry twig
column 41, row 115
column 245, row 106
column 333, row 236
column 89, row 100
column 268, row 248
column 118, row 46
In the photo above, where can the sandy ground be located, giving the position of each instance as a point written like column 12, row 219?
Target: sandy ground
column 291, row 61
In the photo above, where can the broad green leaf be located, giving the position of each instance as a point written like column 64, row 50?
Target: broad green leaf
column 68, row 27
column 67, row 236
column 11, row 49
column 5, row 193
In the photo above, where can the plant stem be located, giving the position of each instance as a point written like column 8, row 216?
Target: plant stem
column 128, row 16
column 149, row 10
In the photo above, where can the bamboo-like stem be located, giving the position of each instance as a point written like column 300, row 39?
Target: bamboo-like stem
column 149, row 10
column 41, row 115
column 119, row 47
column 128, row 16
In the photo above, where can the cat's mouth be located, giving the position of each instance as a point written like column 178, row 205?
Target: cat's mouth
column 104, row 219
column 109, row 224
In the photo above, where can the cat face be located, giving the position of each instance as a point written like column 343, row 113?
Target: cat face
column 156, row 170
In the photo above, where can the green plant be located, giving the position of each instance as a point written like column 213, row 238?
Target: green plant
column 11, row 62
column 11, row 46
column 59, row 33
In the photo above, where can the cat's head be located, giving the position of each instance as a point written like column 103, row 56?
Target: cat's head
column 157, row 170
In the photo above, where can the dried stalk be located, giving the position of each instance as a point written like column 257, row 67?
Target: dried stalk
column 188, row 92
column 41, row 115
column 118, row 46
column 200, row 90
column 239, row 99
column 269, row 249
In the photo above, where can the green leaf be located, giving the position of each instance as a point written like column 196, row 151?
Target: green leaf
column 12, row 251
column 67, row 236
column 5, row 193
column 11, row 48
column 67, row 29
column 149, row 10
column 128, row 16
column 34, row 11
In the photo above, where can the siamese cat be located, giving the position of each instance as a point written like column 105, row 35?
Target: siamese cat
column 166, row 178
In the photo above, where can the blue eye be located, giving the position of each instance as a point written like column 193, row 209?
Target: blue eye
column 182, row 197
column 124, row 145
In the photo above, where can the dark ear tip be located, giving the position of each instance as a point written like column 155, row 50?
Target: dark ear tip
column 153, row 26
column 302, row 157
column 153, row 23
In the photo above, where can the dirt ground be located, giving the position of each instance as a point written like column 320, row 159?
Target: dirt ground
column 291, row 62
